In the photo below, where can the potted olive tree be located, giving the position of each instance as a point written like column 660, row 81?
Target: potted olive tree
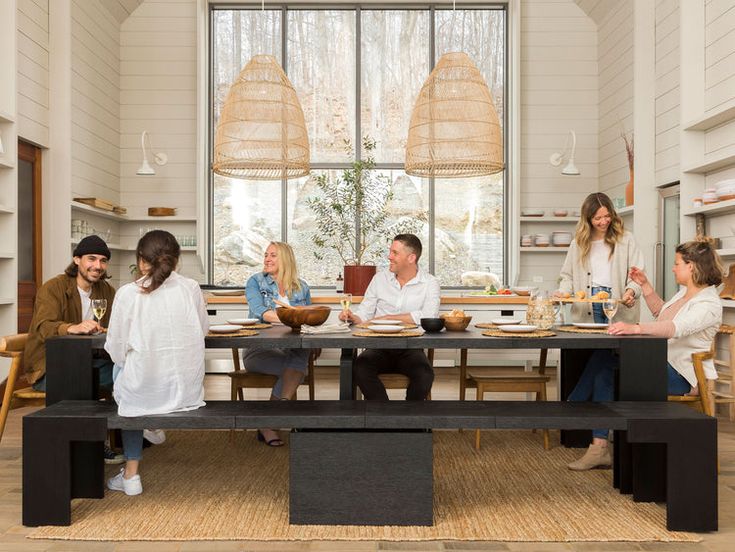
column 353, row 218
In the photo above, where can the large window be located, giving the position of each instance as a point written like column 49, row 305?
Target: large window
column 357, row 73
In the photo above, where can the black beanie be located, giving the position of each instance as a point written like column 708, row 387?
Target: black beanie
column 92, row 245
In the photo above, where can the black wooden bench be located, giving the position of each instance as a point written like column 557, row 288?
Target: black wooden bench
column 385, row 446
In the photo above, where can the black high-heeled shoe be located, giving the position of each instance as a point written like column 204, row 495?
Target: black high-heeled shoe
column 275, row 442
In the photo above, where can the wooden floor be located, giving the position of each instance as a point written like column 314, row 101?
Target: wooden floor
column 12, row 533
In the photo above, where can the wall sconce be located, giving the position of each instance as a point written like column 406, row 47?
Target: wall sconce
column 556, row 158
column 145, row 167
column 2, row 149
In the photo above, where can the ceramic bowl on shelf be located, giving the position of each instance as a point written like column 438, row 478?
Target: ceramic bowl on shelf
column 710, row 196
column 533, row 212
column 560, row 212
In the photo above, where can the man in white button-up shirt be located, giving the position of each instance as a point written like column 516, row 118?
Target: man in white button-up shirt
column 405, row 293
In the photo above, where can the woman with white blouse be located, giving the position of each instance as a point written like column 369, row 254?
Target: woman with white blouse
column 156, row 339
column 689, row 320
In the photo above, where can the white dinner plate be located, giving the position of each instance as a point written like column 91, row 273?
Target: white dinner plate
column 227, row 292
column 243, row 321
column 589, row 325
column 384, row 328
column 518, row 328
column 385, row 322
column 505, row 320
column 225, row 328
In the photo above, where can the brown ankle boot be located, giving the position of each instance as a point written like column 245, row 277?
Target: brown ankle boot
column 597, row 456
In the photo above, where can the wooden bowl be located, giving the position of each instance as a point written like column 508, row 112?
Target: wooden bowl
column 294, row 317
column 456, row 323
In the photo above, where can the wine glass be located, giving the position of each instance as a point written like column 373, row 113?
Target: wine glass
column 346, row 302
column 99, row 307
column 610, row 307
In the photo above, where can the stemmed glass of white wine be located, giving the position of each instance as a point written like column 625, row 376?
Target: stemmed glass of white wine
column 346, row 302
column 99, row 308
column 610, row 307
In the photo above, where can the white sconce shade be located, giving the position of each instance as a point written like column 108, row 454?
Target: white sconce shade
column 145, row 167
column 2, row 149
column 556, row 158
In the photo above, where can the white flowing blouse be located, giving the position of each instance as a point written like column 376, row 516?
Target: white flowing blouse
column 158, row 340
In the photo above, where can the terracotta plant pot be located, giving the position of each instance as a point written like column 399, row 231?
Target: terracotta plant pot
column 357, row 278
column 629, row 191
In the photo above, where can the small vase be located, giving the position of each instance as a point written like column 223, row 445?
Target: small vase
column 629, row 190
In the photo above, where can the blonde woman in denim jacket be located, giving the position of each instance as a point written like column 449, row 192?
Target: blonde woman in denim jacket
column 278, row 281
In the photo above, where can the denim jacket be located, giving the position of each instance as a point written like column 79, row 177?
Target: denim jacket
column 262, row 290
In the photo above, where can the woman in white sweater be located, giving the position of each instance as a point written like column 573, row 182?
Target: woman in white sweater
column 156, row 339
column 690, row 320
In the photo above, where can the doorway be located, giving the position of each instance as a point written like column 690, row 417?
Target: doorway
column 29, row 231
column 668, row 239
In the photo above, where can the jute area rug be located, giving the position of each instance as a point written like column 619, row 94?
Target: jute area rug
column 199, row 486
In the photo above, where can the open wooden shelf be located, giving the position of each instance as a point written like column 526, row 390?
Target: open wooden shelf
column 549, row 249
column 722, row 114
column 719, row 208
column 715, row 164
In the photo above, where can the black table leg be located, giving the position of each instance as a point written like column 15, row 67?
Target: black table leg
column 69, row 372
column 55, row 470
column 690, row 468
column 346, row 363
column 572, row 363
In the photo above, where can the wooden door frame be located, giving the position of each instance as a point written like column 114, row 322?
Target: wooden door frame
column 32, row 154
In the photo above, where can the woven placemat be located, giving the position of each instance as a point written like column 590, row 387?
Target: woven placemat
column 238, row 333
column 575, row 329
column 262, row 326
column 486, row 326
column 535, row 333
column 406, row 325
column 403, row 333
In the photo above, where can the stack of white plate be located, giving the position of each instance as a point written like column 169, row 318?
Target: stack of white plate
column 542, row 240
column 710, row 196
column 561, row 239
column 526, row 240
column 725, row 189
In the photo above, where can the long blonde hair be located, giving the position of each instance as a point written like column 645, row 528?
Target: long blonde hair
column 583, row 235
column 287, row 275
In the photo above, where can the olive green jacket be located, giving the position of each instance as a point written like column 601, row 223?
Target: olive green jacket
column 58, row 306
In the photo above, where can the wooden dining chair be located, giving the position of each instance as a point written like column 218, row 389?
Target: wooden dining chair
column 242, row 379
column 467, row 382
column 12, row 346
column 704, row 401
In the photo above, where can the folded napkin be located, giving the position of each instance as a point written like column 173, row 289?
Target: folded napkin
column 340, row 327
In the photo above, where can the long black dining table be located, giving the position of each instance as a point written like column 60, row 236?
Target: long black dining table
column 642, row 373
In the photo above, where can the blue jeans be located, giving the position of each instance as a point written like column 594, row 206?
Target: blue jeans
column 102, row 364
column 597, row 312
column 597, row 382
column 132, row 439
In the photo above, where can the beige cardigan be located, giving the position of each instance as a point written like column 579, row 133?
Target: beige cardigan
column 577, row 276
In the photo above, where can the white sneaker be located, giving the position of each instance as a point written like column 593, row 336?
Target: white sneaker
column 130, row 487
column 155, row 436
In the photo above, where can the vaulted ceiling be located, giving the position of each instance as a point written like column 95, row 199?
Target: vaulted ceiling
column 121, row 9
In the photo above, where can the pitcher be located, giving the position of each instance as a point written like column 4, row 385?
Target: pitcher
column 541, row 310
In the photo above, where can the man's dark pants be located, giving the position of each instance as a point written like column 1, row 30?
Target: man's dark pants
column 412, row 363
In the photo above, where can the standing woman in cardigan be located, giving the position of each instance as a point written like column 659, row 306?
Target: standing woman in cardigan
column 600, row 259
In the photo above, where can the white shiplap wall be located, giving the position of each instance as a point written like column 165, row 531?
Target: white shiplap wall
column 615, row 49
column 719, row 53
column 158, row 93
column 95, row 101
column 559, row 92
column 667, row 92
column 33, row 63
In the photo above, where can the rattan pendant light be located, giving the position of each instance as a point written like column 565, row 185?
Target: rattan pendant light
column 454, row 130
column 261, row 133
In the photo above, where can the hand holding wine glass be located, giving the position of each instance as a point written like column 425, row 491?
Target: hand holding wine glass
column 99, row 308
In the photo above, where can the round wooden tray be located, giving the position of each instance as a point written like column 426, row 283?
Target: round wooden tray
column 535, row 333
column 404, row 333
column 238, row 333
column 406, row 325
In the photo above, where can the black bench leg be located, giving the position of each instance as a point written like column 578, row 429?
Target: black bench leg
column 58, row 467
column 691, row 469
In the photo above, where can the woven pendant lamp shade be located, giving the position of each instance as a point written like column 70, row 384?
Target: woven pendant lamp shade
column 261, row 133
column 454, row 130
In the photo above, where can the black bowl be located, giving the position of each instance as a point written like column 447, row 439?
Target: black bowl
column 432, row 325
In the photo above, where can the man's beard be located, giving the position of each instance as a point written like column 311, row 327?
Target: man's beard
column 86, row 276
